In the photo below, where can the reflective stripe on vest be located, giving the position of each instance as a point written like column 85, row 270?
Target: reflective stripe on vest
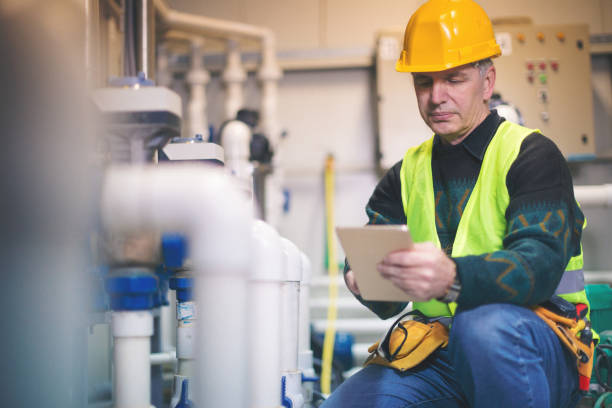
column 488, row 201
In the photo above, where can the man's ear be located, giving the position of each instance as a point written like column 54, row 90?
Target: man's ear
column 489, row 83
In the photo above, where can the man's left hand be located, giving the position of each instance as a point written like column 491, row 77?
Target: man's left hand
column 424, row 272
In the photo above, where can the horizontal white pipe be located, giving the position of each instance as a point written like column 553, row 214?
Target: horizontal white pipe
column 163, row 358
column 355, row 326
column 209, row 26
column 205, row 205
column 591, row 277
column 594, row 196
column 344, row 303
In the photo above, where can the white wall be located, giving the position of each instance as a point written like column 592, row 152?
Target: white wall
column 306, row 24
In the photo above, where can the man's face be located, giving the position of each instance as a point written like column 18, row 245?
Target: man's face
column 454, row 102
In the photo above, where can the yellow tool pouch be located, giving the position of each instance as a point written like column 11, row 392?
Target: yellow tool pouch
column 408, row 343
column 572, row 334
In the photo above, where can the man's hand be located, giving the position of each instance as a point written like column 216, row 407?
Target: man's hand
column 351, row 283
column 424, row 272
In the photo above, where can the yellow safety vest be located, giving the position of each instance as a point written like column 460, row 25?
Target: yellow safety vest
column 483, row 225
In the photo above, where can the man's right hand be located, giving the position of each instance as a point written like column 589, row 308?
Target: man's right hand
column 351, row 283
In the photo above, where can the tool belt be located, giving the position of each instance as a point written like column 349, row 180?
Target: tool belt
column 569, row 323
column 409, row 342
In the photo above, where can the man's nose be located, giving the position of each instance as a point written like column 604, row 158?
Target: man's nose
column 438, row 92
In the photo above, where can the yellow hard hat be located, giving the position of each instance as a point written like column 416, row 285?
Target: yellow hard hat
column 443, row 34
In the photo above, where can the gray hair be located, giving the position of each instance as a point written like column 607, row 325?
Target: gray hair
column 483, row 65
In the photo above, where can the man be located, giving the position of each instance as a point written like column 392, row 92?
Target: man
column 491, row 207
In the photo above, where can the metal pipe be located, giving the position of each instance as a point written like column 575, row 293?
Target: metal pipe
column 144, row 37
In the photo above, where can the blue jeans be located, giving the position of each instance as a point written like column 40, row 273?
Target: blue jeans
column 499, row 355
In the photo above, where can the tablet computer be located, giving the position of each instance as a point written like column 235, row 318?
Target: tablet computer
column 365, row 247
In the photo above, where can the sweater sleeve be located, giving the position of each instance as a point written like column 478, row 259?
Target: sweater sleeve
column 544, row 231
column 385, row 207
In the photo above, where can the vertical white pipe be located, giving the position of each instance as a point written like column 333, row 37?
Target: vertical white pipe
column 305, row 358
column 236, row 138
column 289, row 322
column 234, row 77
column 304, row 336
column 269, row 74
column 197, row 78
column 204, row 204
column 164, row 75
column 264, row 330
column 132, row 333
column 144, row 36
column 185, row 337
column 166, row 318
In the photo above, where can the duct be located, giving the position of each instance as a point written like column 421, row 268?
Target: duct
column 204, row 205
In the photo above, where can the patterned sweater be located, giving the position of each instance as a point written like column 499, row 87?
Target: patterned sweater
column 544, row 221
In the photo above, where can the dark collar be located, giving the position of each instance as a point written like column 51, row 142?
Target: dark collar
column 476, row 143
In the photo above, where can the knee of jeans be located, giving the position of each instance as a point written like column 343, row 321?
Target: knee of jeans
column 483, row 326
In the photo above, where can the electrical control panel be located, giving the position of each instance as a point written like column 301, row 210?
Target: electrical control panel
column 544, row 71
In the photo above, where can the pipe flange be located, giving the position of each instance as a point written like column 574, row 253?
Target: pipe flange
column 132, row 289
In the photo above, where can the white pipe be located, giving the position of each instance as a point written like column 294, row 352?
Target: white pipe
column 144, row 36
column 269, row 74
column 209, row 26
column 163, row 76
column 234, row 77
column 197, row 78
column 164, row 357
column 270, row 71
column 186, row 314
column 290, row 315
column 132, row 333
column 203, row 204
column 305, row 357
column 304, row 324
column 357, row 326
column 264, row 330
column 594, row 196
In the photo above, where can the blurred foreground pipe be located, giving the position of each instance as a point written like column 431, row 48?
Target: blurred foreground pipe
column 204, row 205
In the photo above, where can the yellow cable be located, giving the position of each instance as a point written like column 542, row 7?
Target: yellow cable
column 332, row 310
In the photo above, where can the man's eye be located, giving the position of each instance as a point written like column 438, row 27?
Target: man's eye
column 422, row 82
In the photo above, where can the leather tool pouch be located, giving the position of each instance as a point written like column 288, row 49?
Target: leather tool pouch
column 408, row 342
